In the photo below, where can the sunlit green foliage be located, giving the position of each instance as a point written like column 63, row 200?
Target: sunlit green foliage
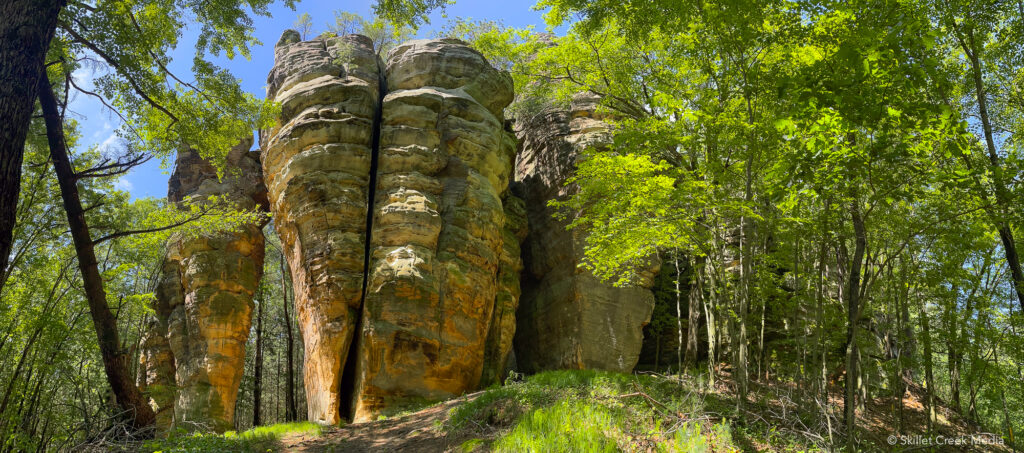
column 256, row 440
column 591, row 411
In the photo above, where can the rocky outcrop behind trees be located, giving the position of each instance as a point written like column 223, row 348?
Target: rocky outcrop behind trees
column 388, row 183
column 192, row 357
column 567, row 317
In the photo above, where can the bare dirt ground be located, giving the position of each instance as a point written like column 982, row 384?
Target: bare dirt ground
column 416, row 432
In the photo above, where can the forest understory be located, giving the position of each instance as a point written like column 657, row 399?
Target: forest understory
column 600, row 411
column 568, row 225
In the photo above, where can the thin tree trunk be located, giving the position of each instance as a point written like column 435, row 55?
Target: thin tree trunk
column 953, row 352
column 257, row 389
column 853, row 313
column 820, row 321
column 679, row 315
column 115, row 362
column 929, row 380
column 277, row 385
column 1002, row 196
column 289, row 387
column 26, row 28
column 696, row 297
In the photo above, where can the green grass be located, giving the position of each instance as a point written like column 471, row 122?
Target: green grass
column 260, row 439
column 590, row 411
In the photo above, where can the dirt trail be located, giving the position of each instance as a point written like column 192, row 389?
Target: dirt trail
column 415, row 432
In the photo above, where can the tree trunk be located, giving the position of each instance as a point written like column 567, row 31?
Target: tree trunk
column 289, row 386
column 696, row 298
column 953, row 352
column 929, row 381
column 998, row 181
column 853, row 313
column 257, row 388
column 26, row 28
column 115, row 361
column 679, row 315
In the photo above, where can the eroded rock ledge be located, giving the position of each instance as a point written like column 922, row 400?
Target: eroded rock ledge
column 424, row 169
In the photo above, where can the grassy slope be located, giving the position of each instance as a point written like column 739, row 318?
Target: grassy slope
column 260, row 439
column 587, row 411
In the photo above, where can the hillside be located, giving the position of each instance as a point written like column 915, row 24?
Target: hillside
column 593, row 411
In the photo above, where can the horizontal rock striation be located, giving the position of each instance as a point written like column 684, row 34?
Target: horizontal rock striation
column 424, row 170
column 445, row 161
column 567, row 317
column 318, row 163
column 204, row 298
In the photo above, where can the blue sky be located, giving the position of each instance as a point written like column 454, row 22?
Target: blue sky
column 98, row 125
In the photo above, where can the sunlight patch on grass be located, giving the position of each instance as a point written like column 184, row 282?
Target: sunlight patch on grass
column 592, row 411
column 260, row 439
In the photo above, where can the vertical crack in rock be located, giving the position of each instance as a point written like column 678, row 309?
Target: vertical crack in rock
column 348, row 379
column 567, row 317
column 318, row 162
column 436, row 241
column 503, row 322
column 193, row 356
column 388, row 185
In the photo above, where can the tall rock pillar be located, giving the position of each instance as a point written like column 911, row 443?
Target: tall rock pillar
column 435, row 249
column 318, row 161
column 204, row 299
column 389, row 188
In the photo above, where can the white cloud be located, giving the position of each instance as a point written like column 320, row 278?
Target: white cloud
column 106, row 128
column 124, row 184
column 110, row 142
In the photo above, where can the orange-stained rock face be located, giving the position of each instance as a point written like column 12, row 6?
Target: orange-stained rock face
column 445, row 162
column 204, row 300
column 416, row 150
column 156, row 374
column 503, row 320
column 567, row 317
column 317, row 161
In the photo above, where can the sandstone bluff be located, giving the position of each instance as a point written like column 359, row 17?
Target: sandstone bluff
column 416, row 226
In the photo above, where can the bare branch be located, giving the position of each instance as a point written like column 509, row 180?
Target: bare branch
column 121, row 234
column 113, row 63
column 117, row 168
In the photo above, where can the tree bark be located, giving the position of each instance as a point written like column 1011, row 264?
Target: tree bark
column 115, row 361
column 289, row 386
column 929, row 380
column 852, row 315
column 26, row 28
column 998, row 181
column 679, row 315
column 696, row 297
column 257, row 390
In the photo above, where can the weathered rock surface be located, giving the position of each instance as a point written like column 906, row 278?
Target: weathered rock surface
column 503, row 321
column 426, row 168
column 318, row 163
column 568, row 318
column 156, row 373
column 436, row 245
column 204, row 298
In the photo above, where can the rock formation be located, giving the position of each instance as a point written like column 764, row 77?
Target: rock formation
column 567, row 317
column 445, row 161
column 425, row 170
column 156, row 372
column 318, row 163
column 204, row 299
column 503, row 322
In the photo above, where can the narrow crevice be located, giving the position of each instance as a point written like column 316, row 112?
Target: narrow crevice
column 347, row 387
